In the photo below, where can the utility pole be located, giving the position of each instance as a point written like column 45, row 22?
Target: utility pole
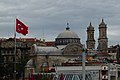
column 108, row 62
column 116, row 71
column 83, row 64
column 108, row 70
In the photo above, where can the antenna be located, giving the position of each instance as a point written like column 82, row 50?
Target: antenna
column 43, row 34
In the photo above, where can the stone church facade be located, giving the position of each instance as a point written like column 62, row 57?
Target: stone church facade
column 90, row 43
column 102, row 39
column 67, row 41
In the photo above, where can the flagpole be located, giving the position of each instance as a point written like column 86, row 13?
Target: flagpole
column 15, row 53
column 19, row 28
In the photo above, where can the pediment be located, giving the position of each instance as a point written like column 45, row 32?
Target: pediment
column 73, row 48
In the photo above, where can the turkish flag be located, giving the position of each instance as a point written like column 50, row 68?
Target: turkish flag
column 21, row 28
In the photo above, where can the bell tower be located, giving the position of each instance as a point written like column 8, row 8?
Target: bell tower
column 90, row 37
column 102, row 40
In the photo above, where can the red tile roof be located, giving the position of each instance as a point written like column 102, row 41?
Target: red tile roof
column 50, row 43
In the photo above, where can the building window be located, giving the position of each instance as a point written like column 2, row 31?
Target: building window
column 4, row 59
column 4, row 51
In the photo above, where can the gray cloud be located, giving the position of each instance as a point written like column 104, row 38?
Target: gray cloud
column 47, row 18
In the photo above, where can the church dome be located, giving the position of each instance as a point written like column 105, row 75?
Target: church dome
column 67, row 37
column 67, row 34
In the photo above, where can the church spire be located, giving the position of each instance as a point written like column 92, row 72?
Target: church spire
column 90, row 37
column 67, row 28
column 102, row 39
column 102, row 23
column 90, row 24
column 90, row 27
column 102, row 20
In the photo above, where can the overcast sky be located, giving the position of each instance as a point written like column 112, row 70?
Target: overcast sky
column 47, row 18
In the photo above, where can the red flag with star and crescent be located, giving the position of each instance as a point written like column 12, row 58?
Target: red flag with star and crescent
column 21, row 28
